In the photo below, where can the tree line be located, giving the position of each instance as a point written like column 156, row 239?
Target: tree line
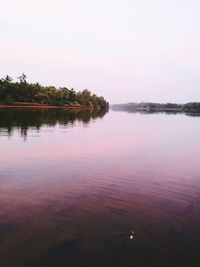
column 22, row 91
column 151, row 107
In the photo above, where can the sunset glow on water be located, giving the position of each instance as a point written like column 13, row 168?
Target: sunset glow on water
column 122, row 189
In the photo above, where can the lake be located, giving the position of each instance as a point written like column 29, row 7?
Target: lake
column 99, row 189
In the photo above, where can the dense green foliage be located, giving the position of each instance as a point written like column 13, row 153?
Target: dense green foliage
column 11, row 92
column 151, row 107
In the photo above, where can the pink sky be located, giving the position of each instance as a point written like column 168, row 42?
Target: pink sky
column 124, row 50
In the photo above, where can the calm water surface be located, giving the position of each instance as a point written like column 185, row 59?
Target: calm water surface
column 115, row 189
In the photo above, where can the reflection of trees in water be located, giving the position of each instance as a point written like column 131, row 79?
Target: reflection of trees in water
column 157, row 112
column 25, row 119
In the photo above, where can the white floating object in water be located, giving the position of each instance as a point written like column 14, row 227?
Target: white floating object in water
column 132, row 234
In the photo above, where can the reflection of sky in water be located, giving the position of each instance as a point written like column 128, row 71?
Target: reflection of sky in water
column 127, row 181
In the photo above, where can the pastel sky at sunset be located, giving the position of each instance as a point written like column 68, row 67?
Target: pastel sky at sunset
column 127, row 51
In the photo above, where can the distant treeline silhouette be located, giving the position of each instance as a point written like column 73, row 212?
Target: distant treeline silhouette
column 24, row 92
column 148, row 106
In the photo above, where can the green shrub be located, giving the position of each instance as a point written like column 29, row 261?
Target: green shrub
column 8, row 100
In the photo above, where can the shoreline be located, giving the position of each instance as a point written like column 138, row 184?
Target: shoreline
column 151, row 109
column 42, row 106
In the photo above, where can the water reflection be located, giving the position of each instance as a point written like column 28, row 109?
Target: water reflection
column 148, row 112
column 123, row 191
column 26, row 119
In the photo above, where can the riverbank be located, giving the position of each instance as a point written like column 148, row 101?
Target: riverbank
column 33, row 95
column 193, row 107
column 38, row 105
